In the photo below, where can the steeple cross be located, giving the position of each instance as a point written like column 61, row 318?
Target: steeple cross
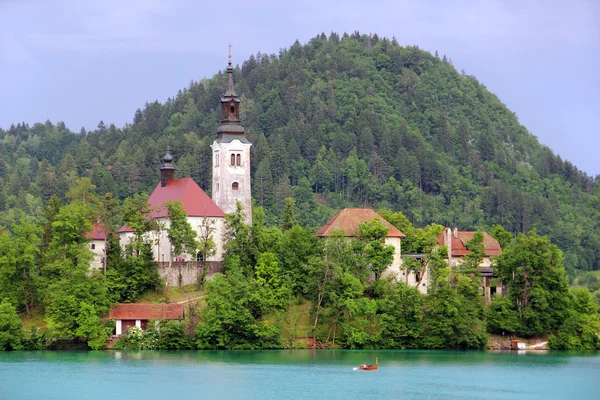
column 230, row 46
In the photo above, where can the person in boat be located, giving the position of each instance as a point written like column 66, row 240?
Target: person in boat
column 363, row 365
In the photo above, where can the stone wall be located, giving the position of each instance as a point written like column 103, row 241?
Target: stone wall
column 187, row 272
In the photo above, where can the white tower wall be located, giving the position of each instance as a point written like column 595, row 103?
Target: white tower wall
column 231, row 181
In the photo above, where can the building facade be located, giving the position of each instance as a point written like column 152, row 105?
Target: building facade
column 456, row 242
column 348, row 220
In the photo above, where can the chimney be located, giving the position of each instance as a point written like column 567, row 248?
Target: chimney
column 448, row 240
column 455, row 233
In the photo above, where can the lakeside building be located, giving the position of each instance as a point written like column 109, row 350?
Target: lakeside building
column 130, row 315
column 348, row 221
column 456, row 242
column 97, row 238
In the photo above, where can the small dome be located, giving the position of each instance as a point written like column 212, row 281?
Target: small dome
column 168, row 158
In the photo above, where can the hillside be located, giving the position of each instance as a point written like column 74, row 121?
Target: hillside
column 339, row 121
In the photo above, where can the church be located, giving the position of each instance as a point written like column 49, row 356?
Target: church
column 230, row 184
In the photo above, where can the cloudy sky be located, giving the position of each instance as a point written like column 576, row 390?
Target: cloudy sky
column 86, row 61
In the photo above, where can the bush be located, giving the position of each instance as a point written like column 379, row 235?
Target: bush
column 10, row 328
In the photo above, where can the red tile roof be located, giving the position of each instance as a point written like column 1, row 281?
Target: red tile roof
column 147, row 311
column 459, row 244
column 196, row 203
column 124, row 229
column 349, row 220
column 97, row 233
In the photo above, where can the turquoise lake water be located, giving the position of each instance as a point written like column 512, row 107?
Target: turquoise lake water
column 299, row 374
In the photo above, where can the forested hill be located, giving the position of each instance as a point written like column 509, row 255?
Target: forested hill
column 355, row 120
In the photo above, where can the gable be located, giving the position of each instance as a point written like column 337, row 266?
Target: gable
column 349, row 219
column 97, row 232
column 460, row 239
column 196, row 202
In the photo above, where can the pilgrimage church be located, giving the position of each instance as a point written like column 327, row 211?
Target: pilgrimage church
column 230, row 184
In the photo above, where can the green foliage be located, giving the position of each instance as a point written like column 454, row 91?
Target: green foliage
column 181, row 235
column 502, row 236
column 89, row 327
column 206, row 241
column 10, row 328
column 298, row 248
column 239, row 246
column 71, row 293
column 378, row 255
column 19, row 254
column 128, row 279
column 401, row 314
column 135, row 215
column 288, row 214
column 159, row 335
column 501, row 316
column 537, row 286
column 228, row 321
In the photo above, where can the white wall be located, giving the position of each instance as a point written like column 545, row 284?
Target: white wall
column 162, row 247
column 99, row 251
column 224, row 174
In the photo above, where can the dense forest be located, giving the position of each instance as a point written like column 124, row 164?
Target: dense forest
column 355, row 120
column 343, row 121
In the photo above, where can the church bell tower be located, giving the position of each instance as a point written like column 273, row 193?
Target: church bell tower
column 231, row 156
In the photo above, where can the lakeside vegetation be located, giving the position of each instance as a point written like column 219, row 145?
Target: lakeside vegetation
column 277, row 276
column 337, row 122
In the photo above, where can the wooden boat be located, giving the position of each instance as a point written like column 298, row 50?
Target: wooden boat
column 370, row 367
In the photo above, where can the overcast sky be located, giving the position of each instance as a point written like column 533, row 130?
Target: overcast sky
column 82, row 61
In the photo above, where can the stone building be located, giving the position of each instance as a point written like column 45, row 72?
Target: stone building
column 348, row 221
column 456, row 242
column 97, row 238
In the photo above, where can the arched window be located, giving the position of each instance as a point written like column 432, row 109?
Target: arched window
column 216, row 159
column 234, row 186
column 238, row 160
column 233, row 159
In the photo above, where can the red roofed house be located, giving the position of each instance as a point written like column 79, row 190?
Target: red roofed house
column 456, row 241
column 97, row 238
column 349, row 219
column 128, row 315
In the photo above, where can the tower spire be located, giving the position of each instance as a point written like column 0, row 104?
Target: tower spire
column 231, row 155
column 230, row 101
column 167, row 171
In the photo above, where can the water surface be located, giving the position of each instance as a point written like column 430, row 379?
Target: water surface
column 299, row 374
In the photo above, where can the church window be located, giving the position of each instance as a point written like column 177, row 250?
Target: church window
column 238, row 160
column 216, row 159
column 217, row 187
column 233, row 159
column 234, row 186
